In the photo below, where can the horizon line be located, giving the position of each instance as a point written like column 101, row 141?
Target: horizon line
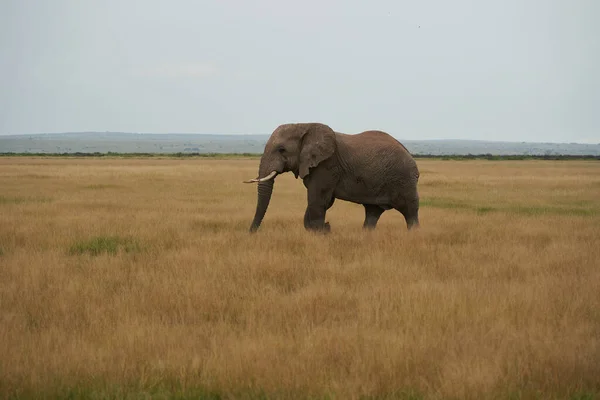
column 268, row 134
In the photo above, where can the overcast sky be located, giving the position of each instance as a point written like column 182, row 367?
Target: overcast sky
column 523, row 70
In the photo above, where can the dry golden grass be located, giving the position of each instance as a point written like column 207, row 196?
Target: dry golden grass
column 496, row 296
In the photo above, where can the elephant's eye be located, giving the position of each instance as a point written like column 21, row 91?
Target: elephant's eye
column 281, row 149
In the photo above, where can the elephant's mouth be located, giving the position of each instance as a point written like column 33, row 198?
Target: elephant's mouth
column 272, row 175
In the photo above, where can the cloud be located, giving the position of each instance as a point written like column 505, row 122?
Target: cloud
column 181, row 70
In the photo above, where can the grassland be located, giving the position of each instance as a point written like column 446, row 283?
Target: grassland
column 131, row 278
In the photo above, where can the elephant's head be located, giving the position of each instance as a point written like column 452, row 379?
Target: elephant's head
column 291, row 147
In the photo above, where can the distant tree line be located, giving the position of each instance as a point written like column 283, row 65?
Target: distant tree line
column 493, row 157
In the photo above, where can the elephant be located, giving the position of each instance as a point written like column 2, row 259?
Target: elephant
column 370, row 168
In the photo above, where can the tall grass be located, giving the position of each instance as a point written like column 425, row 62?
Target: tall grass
column 137, row 277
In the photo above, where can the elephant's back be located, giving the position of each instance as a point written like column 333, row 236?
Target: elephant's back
column 374, row 145
column 376, row 169
column 377, row 139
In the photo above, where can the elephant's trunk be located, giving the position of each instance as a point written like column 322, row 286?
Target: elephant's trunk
column 265, row 189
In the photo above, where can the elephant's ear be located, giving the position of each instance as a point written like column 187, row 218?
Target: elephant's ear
column 318, row 144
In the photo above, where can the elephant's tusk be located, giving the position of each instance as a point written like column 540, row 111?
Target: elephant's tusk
column 266, row 178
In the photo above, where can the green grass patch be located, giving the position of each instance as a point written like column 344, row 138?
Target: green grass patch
column 101, row 186
column 452, row 204
column 36, row 176
column 585, row 396
column 196, row 393
column 21, row 200
column 533, row 210
column 104, row 245
column 438, row 202
column 485, row 209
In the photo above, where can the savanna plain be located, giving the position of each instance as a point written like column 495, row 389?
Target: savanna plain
column 137, row 278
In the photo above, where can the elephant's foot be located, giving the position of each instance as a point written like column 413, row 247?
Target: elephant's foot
column 412, row 226
column 412, row 223
column 324, row 228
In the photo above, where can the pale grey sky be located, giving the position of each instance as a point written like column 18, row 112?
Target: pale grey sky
column 523, row 70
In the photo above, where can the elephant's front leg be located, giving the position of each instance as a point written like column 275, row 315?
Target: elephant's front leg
column 319, row 200
column 315, row 220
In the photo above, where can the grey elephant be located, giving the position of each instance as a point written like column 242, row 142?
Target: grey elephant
column 370, row 168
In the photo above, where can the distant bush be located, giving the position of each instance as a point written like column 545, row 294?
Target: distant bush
column 104, row 244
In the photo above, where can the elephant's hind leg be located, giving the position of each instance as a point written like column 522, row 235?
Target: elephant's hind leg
column 372, row 214
column 410, row 213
